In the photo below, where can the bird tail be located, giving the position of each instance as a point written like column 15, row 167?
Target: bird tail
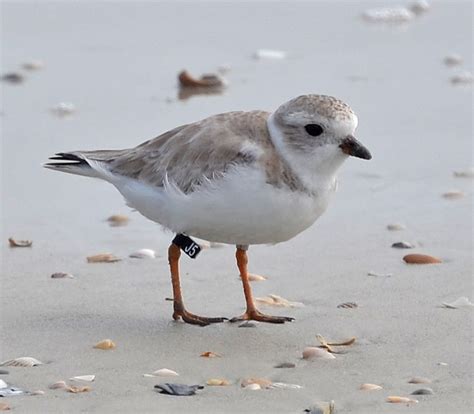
column 86, row 163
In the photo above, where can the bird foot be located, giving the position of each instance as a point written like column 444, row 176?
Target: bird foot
column 189, row 317
column 255, row 315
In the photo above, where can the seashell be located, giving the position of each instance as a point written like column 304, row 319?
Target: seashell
column 143, row 254
column 178, row 389
column 285, row 365
column 461, row 302
column 262, row 382
column 312, row 352
column 321, row 408
column 423, row 391
column 403, row 245
column 11, row 391
column 419, row 380
column 207, row 80
column 248, row 324
column 19, row 243
column 62, row 275
column 370, row 387
column 420, row 7
column 3, row 384
column 421, row 259
column 256, row 278
column 105, row 345
column 285, row 386
column 443, row 364
column 13, row 77
column 4, row 406
column 103, row 258
column 347, row 305
column 210, row 354
column 118, row 220
column 163, row 372
column 462, row 78
column 37, row 392
column 468, row 173
column 453, row 195
column 253, row 387
column 58, row 385
column 86, row 378
column 404, row 400
column 453, row 60
column 63, row 109
column 25, row 362
column 376, row 274
column 388, row 15
column 396, row 227
column 217, row 382
column 33, row 65
column 77, row 389
column 269, row 54
column 275, row 300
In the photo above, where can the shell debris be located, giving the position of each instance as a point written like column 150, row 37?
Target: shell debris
column 370, row 387
column 163, row 372
column 275, row 300
column 461, row 302
column 24, row 362
column 252, row 387
column 33, row 65
column 78, row 389
column 453, row 195
column 105, row 345
column 19, row 243
column 285, row 365
column 423, row 391
column 419, row 380
column 348, row 305
column 388, row 15
column 420, row 6
column 256, row 278
column 13, row 77
column 63, row 109
column 37, row 392
column 285, row 386
column 377, row 274
column 186, row 80
column 467, row 173
column 395, row 399
column 62, row 275
column 103, row 258
column 4, row 406
column 396, row 227
column 210, row 354
column 118, row 220
column 143, row 254
column 58, row 385
column 403, row 245
column 269, row 54
column 462, row 78
column 322, row 407
column 328, row 345
column 86, row 378
column 217, row 382
column 313, row 352
column 421, row 259
column 453, row 60
column 3, row 384
column 262, row 382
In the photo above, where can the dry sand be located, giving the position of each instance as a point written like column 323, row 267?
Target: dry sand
column 117, row 62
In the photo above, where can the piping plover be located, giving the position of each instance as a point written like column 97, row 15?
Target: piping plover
column 241, row 178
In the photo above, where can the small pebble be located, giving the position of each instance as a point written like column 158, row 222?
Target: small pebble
column 105, row 345
column 103, row 258
column 248, row 324
column 403, row 245
column 421, row 259
column 370, row 387
column 462, row 78
column 37, row 392
column 217, row 382
column 285, row 365
column 209, row 354
column 33, row 65
column 62, row 275
column 396, row 227
column 13, row 77
column 453, row 195
column 118, row 220
column 348, row 305
column 395, row 399
column 453, row 60
column 419, row 380
column 423, row 391
column 58, row 385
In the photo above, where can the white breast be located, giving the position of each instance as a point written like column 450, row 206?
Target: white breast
column 240, row 208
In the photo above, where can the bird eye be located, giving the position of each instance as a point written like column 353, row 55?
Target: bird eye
column 314, row 129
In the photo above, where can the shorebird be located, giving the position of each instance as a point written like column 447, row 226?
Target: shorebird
column 240, row 178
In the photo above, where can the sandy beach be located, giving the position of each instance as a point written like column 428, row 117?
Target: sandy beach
column 117, row 62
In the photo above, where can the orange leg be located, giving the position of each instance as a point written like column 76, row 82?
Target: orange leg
column 179, row 310
column 252, row 313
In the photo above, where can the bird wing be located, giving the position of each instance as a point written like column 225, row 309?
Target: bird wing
column 191, row 154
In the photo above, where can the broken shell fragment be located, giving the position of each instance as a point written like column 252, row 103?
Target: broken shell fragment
column 419, row 7
column 403, row 400
column 262, row 382
column 388, row 15
column 63, row 109
column 403, row 245
column 252, row 387
column 105, row 344
column 285, row 365
column 3, row 384
column 312, row 352
column 25, row 362
column 4, row 406
column 86, row 378
column 462, row 302
column 377, row 274
column 207, row 80
column 103, row 258
column 269, row 54
column 19, row 243
column 117, row 220
column 37, row 392
column 210, row 354
column 462, row 78
column 421, row 259
column 275, row 300
column 285, row 386
column 453, row 195
column 33, row 65
column 163, row 372
column 419, row 380
column 396, row 227
column 78, row 389
column 13, row 77
column 370, row 387
column 217, row 382
column 248, row 324
column 468, row 173
column 143, row 254
column 62, row 275
column 178, row 389
column 321, row 408
column 453, row 60
column 256, row 278
column 423, row 391
column 58, row 385
column 347, row 305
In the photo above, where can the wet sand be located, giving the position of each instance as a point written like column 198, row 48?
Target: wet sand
column 117, row 62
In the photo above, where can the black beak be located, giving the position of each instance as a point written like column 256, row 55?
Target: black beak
column 351, row 146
